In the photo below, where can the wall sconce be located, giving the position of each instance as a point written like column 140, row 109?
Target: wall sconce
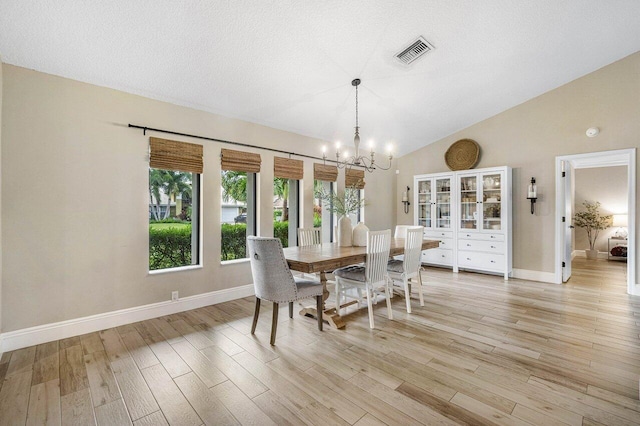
column 405, row 201
column 532, row 194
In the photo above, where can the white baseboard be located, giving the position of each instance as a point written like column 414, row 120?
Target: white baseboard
column 61, row 330
column 526, row 274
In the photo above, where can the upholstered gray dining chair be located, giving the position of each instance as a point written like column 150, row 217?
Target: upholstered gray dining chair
column 274, row 282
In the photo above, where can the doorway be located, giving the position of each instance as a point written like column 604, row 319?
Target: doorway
column 565, row 191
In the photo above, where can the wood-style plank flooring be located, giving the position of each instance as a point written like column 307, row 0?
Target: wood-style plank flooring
column 481, row 351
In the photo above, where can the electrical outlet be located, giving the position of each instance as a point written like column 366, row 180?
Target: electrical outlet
column 174, row 296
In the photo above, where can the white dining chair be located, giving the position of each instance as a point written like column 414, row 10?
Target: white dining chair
column 409, row 267
column 401, row 231
column 309, row 236
column 372, row 277
column 273, row 281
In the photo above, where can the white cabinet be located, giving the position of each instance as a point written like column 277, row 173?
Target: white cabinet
column 433, row 204
column 474, row 226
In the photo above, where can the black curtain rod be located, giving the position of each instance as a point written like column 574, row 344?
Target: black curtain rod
column 170, row 132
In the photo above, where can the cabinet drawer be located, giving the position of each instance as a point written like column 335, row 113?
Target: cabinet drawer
column 483, row 261
column 480, row 236
column 438, row 235
column 481, row 245
column 438, row 257
column 446, row 243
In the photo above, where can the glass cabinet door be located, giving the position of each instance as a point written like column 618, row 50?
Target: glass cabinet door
column 424, row 203
column 468, row 202
column 443, row 203
column 491, row 202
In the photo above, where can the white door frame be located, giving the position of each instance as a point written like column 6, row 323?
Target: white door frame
column 621, row 157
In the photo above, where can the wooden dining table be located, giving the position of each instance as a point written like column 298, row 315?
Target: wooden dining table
column 325, row 258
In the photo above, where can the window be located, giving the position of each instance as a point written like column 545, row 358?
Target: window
column 324, row 177
column 238, row 215
column 173, row 218
column 174, row 203
column 322, row 217
column 239, row 195
column 287, row 173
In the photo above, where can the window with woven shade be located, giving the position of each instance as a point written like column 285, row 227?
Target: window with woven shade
column 240, row 161
column 174, row 200
column 287, row 173
column 324, row 178
column 354, row 178
column 239, row 171
column 325, row 173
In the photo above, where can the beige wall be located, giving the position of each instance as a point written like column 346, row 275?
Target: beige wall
column 608, row 185
column 74, row 197
column 529, row 136
column 1, row 85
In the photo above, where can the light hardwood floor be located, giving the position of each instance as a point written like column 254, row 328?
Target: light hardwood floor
column 482, row 351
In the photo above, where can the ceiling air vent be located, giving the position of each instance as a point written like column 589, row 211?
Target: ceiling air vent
column 414, row 51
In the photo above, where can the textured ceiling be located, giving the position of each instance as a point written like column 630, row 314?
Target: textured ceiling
column 289, row 64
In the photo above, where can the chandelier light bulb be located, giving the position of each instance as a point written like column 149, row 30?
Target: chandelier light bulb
column 324, row 149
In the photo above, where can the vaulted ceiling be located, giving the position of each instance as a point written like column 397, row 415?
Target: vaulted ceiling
column 289, row 64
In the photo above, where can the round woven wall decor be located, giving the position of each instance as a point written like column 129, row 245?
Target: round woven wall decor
column 462, row 155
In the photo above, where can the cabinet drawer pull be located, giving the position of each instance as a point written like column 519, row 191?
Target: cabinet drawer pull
column 442, row 255
column 468, row 258
column 493, row 246
column 468, row 245
column 493, row 236
column 493, row 261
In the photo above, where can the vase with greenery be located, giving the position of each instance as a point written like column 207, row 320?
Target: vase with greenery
column 593, row 222
column 343, row 204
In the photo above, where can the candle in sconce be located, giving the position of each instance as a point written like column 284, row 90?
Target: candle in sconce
column 404, row 196
column 532, row 190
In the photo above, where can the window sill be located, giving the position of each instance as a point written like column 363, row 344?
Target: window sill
column 234, row 261
column 178, row 269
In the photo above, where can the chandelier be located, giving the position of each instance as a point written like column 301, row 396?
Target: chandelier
column 366, row 162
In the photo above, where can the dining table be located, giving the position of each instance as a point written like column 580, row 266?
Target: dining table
column 327, row 257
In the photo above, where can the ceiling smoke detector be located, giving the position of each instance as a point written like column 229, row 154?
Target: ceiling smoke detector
column 414, row 51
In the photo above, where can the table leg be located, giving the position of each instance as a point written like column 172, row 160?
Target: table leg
column 329, row 315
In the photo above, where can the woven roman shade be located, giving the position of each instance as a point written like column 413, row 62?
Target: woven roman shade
column 240, row 161
column 173, row 155
column 287, row 168
column 324, row 172
column 354, row 178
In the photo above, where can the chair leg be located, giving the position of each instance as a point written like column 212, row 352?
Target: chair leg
column 387, row 293
column 290, row 309
column 337, row 295
column 407, row 293
column 319, row 309
column 370, row 306
column 256, row 313
column 274, row 323
column 420, row 289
